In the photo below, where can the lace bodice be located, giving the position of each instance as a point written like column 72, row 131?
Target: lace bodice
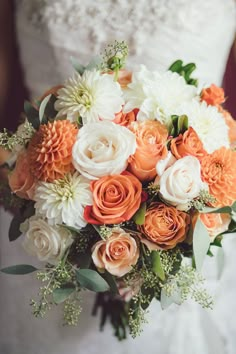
column 158, row 32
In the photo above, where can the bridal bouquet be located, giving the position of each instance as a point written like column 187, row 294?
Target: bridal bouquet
column 121, row 182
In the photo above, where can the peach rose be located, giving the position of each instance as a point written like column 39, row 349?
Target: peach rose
column 124, row 119
column 187, row 144
column 218, row 171
column 164, row 226
column 115, row 199
column 124, row 77
column 213, row 95
column 21, row 181
column 118, row 254
column 151, row 137
column 215, row 223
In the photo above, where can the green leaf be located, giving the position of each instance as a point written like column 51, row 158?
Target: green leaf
column 188, row 69
column 223, row 210
column 32, row 114
column 50, row 111
column 19, row 269
column 174, row 298
column 91, row 280
column 61, row 294
column 139, row 216
column 201, row 243
column 77, row 66
column 94, row 63
column 176, row 66
column 156, row 265
column 42, row 108
column 182, row 124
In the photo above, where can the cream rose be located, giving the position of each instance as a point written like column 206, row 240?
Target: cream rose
column 181, row 182
column 117, row 254
column 46, row 242
column 103, row 149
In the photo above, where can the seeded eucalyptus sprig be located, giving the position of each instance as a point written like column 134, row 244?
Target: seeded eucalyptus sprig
column 114, row 57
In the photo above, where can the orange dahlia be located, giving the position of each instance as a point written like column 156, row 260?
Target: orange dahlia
column 219, row 172
column 50, row 150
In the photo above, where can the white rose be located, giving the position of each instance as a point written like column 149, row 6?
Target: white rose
column 181, row 182
column 46, row 242
column 103, row 149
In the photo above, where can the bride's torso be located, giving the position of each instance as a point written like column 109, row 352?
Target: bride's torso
column 157, row 32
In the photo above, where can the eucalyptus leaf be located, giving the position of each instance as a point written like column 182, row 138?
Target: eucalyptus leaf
column 94, row 63
column 223, row 210
column 139, row 216
column 19, row 269
column 201, row 243
column 77, row 66
column 156, row 265
column 174, row 298
column 42, row 107
column 50, row 110
column 61, row 294
column 32, row 114
column 91, row 280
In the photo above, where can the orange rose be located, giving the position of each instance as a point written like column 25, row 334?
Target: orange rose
column 124, row 119
column 215, row 223
column 213, row 95
column 151, row 137
column 115, row 199
column 187, row 144
column 164, row 226
column 118, row 254
column 219, row 172
column 21, row 181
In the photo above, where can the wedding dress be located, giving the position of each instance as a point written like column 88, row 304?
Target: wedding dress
column 158, row 32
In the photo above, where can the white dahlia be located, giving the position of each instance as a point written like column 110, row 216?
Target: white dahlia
column 92, row 96
column 63, row 201
column 157, row 95
column 208, row 123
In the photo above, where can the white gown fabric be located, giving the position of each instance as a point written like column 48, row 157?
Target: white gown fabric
column 158, row 32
